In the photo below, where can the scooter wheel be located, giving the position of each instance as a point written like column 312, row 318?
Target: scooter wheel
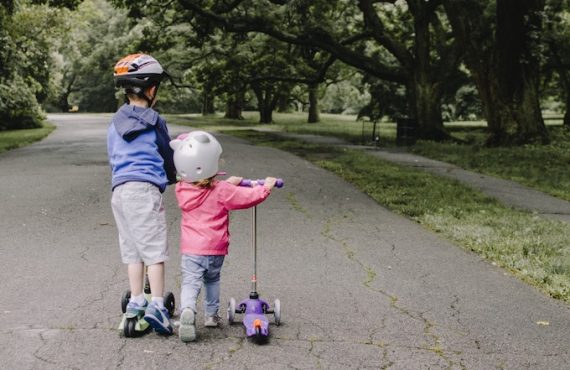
column 277, row 311
column 231, row 310
column 130, row 327
column 259, row 337
column 125, row 300
column 169, row 303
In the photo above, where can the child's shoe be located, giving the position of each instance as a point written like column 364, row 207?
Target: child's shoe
column 213, row 321
column 187, row 329
column 135, row 310
column 158, row 318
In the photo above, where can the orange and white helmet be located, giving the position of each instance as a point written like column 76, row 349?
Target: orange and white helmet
column 138, row 70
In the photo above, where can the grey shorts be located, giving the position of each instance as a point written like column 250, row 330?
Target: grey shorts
column 139, row 214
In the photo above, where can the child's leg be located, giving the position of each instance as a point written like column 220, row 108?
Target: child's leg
column 121, row 202
column 212, row 285
column 156, row 280
column 193, row 270
column 148, row 228
column 136, row 276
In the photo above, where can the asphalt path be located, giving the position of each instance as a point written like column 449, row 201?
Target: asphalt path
column 360, row 287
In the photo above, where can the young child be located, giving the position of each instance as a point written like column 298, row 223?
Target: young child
column 142, row 166
column 204, row 238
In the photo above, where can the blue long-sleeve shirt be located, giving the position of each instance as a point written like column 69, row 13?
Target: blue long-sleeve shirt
column 137, row 145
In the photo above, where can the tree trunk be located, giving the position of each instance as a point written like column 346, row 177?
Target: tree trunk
column 63, row 102
column 283, row 105
column 567, row 114
column 64, row 97
column 428, row 111
column 207, row 102
column 314, row 115
column 518, row 69
column 234, row 106
column 265, row 114
column 265, row 102
column 565, row 82
column 424, row 91
column 506, row 73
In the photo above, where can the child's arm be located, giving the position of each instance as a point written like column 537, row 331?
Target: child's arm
column 238, row 197
column 234, row 180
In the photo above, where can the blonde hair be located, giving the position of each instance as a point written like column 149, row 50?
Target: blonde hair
column 205, row 183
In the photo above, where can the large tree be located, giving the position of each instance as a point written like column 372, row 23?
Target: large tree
column 404, row 42
column 500, row 42
column 229, row 65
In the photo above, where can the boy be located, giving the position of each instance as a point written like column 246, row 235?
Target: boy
column 142, row 166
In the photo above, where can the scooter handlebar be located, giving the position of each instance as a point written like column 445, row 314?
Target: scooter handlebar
column 251, row 183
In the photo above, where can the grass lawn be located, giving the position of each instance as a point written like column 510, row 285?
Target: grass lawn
column 543, row 167
column 342, row 126
column 533, row 248
column 16, row 138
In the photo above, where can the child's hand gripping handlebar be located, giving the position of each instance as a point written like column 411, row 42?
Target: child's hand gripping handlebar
column 251, row 183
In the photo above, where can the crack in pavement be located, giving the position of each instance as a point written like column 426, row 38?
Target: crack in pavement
column 428, row 325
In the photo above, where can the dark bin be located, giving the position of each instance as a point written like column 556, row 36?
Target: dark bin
column 406, row 131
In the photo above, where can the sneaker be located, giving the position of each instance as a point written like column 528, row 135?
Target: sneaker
column 187, row 329
column 213, row 321
column 158, row 318
column 135, row 310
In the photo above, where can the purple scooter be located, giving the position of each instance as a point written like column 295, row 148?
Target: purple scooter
column 255, row 322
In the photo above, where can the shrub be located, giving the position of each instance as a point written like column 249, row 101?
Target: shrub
column 19, row 108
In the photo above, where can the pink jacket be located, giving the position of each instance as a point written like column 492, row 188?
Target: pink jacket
column 204, row 228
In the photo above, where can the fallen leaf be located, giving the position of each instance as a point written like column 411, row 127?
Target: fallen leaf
column 544, row 323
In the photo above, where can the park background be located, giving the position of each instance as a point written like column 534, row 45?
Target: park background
column 478, row 83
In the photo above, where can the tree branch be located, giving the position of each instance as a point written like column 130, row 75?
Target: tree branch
column 374, row 24
column 226, row 8
column 315, row 37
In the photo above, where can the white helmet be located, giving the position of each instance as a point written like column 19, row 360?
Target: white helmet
column 196, row 155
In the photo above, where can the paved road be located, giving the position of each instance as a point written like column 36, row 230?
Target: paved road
column 360, row 286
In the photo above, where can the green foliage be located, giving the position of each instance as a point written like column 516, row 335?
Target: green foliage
column 71, row 4
column 465, row 105
column 28, row 33
column 18, row 106
column 388, row 99
column 348, row 96
column 96, row 37
column 177, row 100
column 34, row 32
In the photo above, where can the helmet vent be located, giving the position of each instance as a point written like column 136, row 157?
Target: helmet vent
column 202, row 139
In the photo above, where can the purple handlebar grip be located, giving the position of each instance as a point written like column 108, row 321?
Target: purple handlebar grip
column 245, row 182
column 249, row 182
